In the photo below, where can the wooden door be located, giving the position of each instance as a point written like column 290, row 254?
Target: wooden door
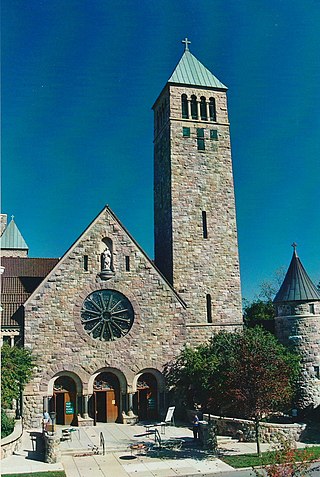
column 112, row 406
column 69, row 408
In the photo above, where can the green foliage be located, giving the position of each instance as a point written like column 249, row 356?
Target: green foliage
column 248, row 374
column 17, row 365
column 258, row 312
column 267, row 458
column 56, row 473
column 7, row 424
column 287, row 461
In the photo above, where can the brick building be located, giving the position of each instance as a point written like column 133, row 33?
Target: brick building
column 105, row 319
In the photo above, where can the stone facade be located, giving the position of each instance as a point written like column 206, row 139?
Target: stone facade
column 296, row 326
column 192, row 186
column 197, row 295
column 53, row 328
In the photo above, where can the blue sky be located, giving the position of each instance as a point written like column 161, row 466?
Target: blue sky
column 79, row 78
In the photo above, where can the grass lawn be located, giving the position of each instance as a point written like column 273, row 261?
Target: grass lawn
column 57, row 473
column 252, row 460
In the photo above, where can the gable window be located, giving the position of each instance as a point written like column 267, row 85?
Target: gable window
column 200, row 139
column 203, row 109
column 85, row 262
column 194, row 107
column 186, row 132
column 127, row 263
column 209, row 308
column 184, row 106
column 212, row 109
column 204, row 224
column 214, row 134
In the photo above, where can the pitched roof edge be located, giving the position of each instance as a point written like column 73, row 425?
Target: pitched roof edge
column 75, row 243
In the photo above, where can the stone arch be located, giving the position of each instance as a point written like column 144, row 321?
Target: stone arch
column 119, row 374
column 156, row 373
column 70, row 374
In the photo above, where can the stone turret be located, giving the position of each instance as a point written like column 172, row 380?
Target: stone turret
column 298, row 323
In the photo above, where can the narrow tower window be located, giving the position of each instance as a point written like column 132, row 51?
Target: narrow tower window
column 204, row 224
column 85, row 262
column 127, row 263
column 212, row 109
column 200, row 139
column 186, row 132
column 184, row 106
column 194, row 107
column 203, row 109
column 209, row 309
column 311, row 308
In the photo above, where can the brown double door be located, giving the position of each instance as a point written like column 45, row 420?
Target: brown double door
column 106, row 404
column 106, row 398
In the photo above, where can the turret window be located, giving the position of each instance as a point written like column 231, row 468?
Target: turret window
column 203, row 109
column 311, row 308
column 209, row 309
column 194, row 107
column 212, row 109
column 184, row 106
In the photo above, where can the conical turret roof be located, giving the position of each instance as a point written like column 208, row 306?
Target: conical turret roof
column 12, row 239
column 190, row 71
column 297, row 285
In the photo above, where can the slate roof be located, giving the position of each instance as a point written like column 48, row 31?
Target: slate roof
column 12, row 238
column 190, row 71
column 20, row 278
column 297, row 285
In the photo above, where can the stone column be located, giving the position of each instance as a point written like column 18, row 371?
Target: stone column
column 46, row 404
column 130, row 404
column 189, row 108
column 12, row 341
column 85, row 406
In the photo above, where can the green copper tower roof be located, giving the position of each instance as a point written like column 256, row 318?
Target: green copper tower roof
column 12, row 238
column 297, row 286
column 190, row 71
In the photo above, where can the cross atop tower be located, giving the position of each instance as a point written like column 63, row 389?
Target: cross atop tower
column 187, row 43
column 294, row 245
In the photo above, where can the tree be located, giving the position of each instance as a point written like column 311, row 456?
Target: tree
column 245, row 374
column 17, row 366
column 260, row 313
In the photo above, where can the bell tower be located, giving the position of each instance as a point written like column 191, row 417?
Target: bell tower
column 195, row 223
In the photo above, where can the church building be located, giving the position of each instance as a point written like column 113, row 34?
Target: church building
column 104, row 320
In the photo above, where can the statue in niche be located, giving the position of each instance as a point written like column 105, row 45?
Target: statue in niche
column 106, row 259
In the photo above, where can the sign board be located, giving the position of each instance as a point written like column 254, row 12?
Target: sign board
column 169, row 415
column 69, row 407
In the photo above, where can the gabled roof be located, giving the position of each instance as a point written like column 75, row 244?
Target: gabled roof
column 190, row 71
column 297, row 285
column 12, row 238
column 20, row 278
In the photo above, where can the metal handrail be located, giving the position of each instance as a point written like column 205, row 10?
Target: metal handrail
column 102, row 443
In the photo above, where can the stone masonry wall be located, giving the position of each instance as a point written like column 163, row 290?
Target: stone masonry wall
column 52, row 316
column 302, row 331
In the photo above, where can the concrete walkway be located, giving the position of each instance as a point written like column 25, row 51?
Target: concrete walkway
column 119, row 460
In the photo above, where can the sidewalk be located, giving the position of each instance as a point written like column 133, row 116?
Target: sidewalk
column 118, row 460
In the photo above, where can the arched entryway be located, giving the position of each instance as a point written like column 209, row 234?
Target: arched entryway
column 104, row 405
column 146, row 398
column 64, row 400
